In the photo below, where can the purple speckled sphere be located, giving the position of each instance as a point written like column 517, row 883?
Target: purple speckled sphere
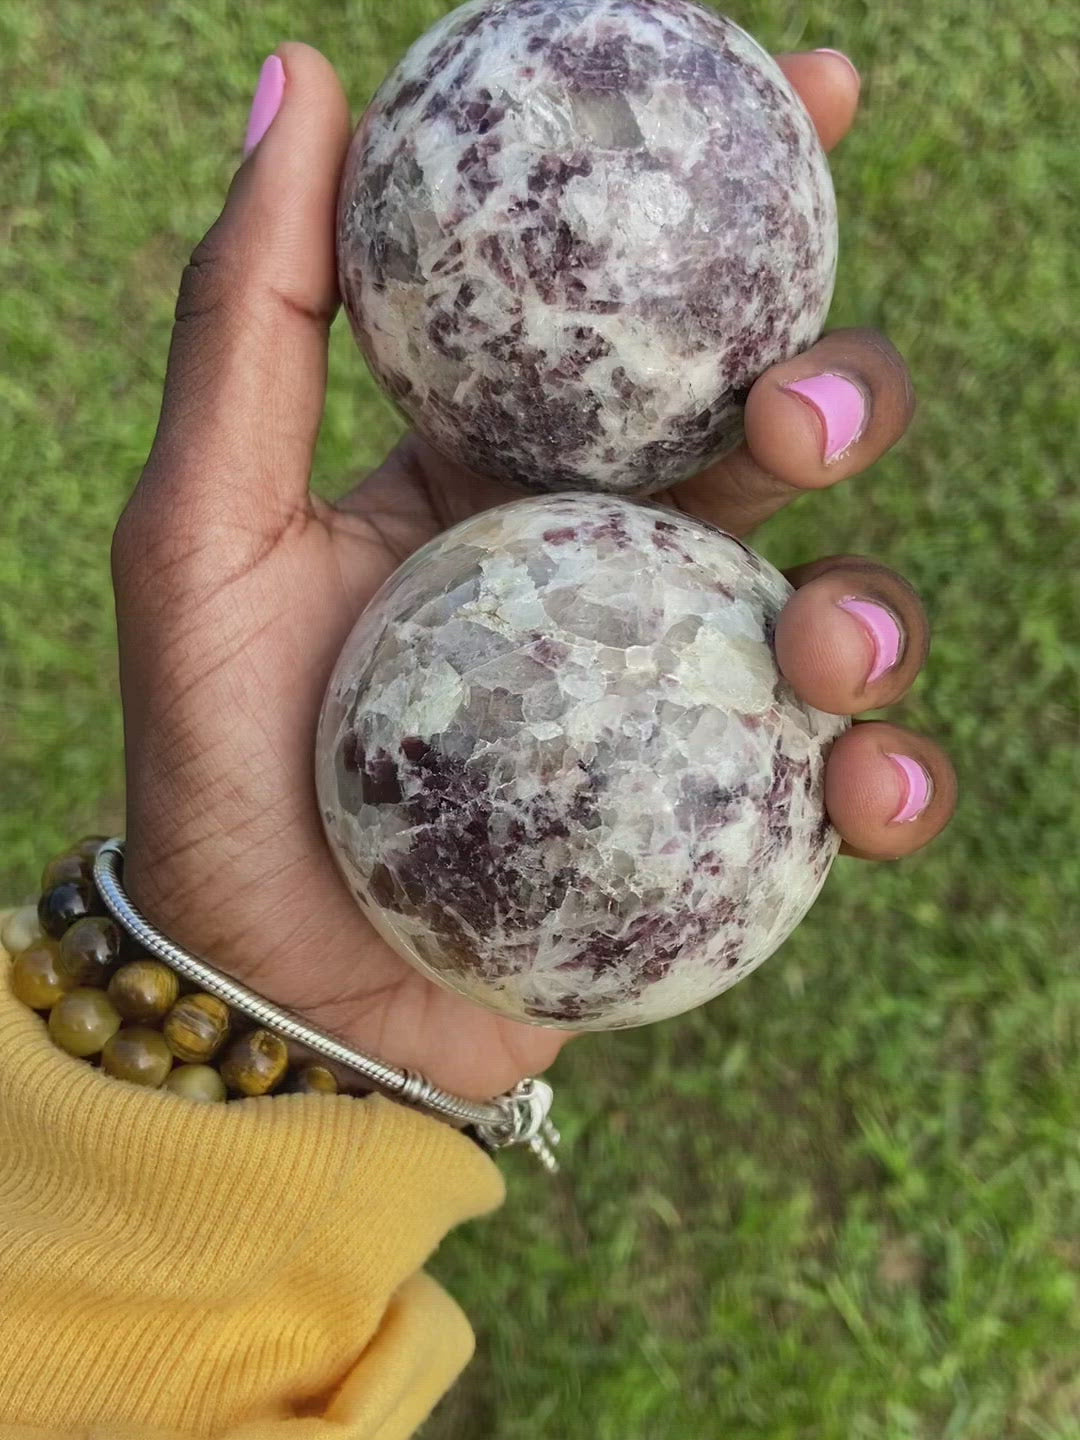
column 573, row 233
column 560, row 771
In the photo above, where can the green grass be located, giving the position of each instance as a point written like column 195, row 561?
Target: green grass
column 843, row 1203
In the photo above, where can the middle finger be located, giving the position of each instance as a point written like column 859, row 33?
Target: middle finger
column 820, row 417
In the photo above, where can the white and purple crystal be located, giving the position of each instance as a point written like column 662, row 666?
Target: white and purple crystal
column 560, row 771
column 573, row 233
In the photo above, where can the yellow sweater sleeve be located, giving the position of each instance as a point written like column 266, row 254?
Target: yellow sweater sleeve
column 252, row 1271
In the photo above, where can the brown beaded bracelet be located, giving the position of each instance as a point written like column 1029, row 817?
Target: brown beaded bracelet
column 108, row 1003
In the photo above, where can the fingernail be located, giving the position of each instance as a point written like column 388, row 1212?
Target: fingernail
column 267, row 102
column 881, row 628
column 918, row 788
column 840, row 406
column 824, row 50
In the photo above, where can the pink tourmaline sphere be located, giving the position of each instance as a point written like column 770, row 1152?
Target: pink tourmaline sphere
column 573, row 233
column 560, row 771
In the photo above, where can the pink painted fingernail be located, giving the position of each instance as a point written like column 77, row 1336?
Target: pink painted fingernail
column 917, row 789
column 839, row 54
column 267, row 102
column 840, row 406
column 881, row 628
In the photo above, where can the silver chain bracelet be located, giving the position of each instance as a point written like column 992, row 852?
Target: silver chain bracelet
column 520, row 1117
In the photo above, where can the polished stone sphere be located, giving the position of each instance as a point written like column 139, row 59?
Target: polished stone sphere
column 573, row 233
column 559, row 768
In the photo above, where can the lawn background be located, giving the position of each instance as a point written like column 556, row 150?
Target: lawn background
column 842, row 1203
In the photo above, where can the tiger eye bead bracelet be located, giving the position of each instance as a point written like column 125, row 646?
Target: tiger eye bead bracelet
column 106, row 1003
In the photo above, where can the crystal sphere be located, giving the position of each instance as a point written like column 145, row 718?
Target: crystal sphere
column 559, row 768
column 573, row 233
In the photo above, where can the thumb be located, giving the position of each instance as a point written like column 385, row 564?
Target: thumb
column 246, row 377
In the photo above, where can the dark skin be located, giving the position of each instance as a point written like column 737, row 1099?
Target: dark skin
column 236, row 589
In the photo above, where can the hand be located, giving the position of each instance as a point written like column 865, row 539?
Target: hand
column 236, row 588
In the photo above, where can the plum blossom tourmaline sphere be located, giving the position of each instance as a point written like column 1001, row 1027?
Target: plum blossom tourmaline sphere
column 560, row 771
column 573, row 233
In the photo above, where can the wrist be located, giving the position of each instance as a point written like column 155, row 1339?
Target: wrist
column 271, row 911
column 203, row 1033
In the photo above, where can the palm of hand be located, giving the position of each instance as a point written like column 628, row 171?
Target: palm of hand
column 252, row 696
column 250, row 826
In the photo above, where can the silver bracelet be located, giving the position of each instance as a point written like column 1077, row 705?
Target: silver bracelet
column 520, row 1117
